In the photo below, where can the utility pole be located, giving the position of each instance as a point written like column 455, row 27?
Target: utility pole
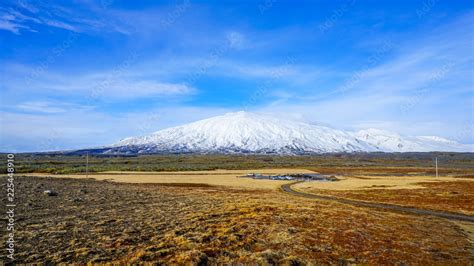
column 87, row 165
column 436, row 164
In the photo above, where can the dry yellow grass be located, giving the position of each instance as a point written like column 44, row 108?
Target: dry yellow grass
column 468, row 229
column 229, row 178
column 232, row 178
column 364, row 182
column 444, row 193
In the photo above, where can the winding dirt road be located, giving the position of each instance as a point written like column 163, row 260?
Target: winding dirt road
column 397, row 208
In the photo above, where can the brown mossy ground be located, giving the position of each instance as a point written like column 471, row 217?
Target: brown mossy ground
column 92, row 221
column 452, row 196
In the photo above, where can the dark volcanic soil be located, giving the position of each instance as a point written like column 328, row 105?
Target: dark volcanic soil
column 98, row 221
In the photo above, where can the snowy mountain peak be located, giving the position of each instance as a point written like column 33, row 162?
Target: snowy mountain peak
column 245, row 132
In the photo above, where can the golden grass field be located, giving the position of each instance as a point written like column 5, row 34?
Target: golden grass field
column 364, row 182
column 229, row 178
column 233, row 178
column 445, row 193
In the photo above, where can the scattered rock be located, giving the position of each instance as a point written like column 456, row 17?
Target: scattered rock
column 348, row 261
column 77, row 200
column 292, row 261
column 194, row 257
column 268, row 257
column 292, row 230
column 50, row 193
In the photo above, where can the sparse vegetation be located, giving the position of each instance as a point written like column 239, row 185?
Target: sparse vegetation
column 102, row 221
column 214, row 217
column 451, row 196
column 387, row 163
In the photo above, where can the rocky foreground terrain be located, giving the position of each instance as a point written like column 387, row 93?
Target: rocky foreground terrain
column 103, row 221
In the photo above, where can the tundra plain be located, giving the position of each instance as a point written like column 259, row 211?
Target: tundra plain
column 219, row 217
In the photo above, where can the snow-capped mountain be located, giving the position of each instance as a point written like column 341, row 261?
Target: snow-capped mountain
column 244, row 132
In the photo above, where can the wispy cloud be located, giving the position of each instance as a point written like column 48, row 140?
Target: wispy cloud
column 130, row 89
column 54, row 131
column 40, row 107
column 15, row 19
column 22, row 16
column 9, row 24
column 48, row 107
column 106, row 85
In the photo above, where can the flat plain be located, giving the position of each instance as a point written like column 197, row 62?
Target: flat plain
column 446, row 193
column 230, row 178
column 219, row 217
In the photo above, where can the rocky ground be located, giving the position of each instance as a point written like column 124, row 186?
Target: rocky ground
column 103, row 221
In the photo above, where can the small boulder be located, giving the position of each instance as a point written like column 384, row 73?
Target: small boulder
column 76, row 200
column 292, row 230
column 50, row 193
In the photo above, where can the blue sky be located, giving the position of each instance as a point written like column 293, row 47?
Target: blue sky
column 88, row 73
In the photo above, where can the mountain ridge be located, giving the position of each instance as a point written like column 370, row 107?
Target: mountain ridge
column 251, row 133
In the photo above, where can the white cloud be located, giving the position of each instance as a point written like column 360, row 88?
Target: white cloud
column 14, row 20
column 48, row 107
column 40, row 107
column 59, row 24
column 108, row 85
column 9, row 26
column 236, row 39
column 79, row 128
column 11, row 22
column 130, row 89
column 25, row 16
